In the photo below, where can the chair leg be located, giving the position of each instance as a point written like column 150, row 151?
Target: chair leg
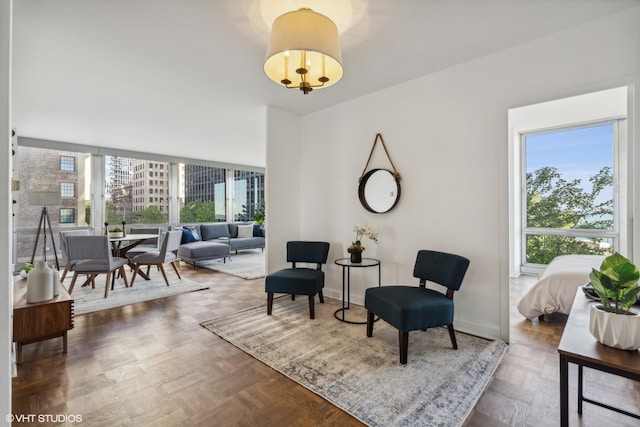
column 161, row 268
column 73, row 282
column 123, row 273
column 404, row 346
column 370, row 317
column 64, row 273
column 293, row 297
column 106, row 286
column 452, row 335
column 321, row 297
column 269, row 302
column 135, row 272
column 312, row 306
column 175, row 268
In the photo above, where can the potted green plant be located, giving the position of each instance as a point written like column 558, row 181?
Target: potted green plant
column 258, row 216
column 116, row 232
column 612, row 322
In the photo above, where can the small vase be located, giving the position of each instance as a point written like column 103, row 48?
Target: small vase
column 40, row 283
column 356, row 257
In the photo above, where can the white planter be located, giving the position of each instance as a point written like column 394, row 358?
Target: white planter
column 116, row 234
column 615, row 330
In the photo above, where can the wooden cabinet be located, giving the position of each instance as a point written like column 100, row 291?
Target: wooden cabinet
column 40, row 321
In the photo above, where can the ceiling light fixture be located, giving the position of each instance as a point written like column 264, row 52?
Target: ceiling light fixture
column 304, row 51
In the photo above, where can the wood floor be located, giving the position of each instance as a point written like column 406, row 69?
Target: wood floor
column 151, row 364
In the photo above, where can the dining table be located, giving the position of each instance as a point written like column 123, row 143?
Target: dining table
column 122, row 245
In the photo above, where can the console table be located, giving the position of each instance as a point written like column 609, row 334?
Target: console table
column 578, row 346
column 346, row 265
column 42, row 320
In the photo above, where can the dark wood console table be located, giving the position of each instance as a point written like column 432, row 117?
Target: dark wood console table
column 578, row 346
column 42, row 320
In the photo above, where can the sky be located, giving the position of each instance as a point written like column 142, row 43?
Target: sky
column 577, row 153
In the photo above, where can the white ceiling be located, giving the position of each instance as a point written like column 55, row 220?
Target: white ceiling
column 181, row 75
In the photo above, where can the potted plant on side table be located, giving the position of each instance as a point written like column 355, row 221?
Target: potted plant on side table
column 613, row 323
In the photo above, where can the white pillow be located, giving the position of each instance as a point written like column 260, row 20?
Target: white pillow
column 245, row 231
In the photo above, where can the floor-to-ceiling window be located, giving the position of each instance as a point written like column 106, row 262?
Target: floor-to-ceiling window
column 136, row 190
column 54, row 191
column 569, row 202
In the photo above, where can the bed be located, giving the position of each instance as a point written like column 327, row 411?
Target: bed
column 556, row 286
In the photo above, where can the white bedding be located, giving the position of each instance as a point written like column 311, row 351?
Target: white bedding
column 557, row 285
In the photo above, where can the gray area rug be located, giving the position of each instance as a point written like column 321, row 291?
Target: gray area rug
column 87, row 300
column 438, row 387
column 245, row 264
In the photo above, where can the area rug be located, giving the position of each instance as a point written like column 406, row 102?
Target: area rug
column 244, row 264
column 88, row 300
column 438, row 387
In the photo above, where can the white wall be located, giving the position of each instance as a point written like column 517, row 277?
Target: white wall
column 282, row 183
column 447, row 135
column 6, row 290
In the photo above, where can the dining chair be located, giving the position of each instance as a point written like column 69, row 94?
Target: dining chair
column 92, row 255
column 411, row 308
column 299, row 280
column 148, row 245
column 166, row 254
column 62, row 243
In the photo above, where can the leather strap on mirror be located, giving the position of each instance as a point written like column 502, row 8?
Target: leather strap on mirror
column 375, row 141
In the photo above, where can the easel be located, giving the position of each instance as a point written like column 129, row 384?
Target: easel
column 45, row 223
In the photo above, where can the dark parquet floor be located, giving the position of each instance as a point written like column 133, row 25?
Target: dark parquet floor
column 151, row 364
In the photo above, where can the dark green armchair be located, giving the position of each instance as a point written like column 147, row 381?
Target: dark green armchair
column 299, row 280
column 411, row 308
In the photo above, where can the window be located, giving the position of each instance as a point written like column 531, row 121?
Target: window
column 67, row 164
column 67, row 190
column 129, row 177
column 569, row 203
column 204, row 189
column 67, row 216
column 67, row 173
column 249, row 194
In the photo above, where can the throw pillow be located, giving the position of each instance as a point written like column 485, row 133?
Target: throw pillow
column 245, row 231
column 194, row 229
column 257, row 230
column 187, row 236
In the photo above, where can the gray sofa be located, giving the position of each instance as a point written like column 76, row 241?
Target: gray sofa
column 217, row 240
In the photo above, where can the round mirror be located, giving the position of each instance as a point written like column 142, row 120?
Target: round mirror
column 379, row 191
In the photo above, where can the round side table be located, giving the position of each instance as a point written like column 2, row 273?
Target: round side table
column 347, row 265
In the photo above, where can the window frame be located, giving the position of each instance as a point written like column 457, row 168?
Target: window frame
column 617, row 233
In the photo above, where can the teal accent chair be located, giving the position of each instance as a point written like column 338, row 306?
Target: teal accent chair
column 411, row 308
column 299, row 280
